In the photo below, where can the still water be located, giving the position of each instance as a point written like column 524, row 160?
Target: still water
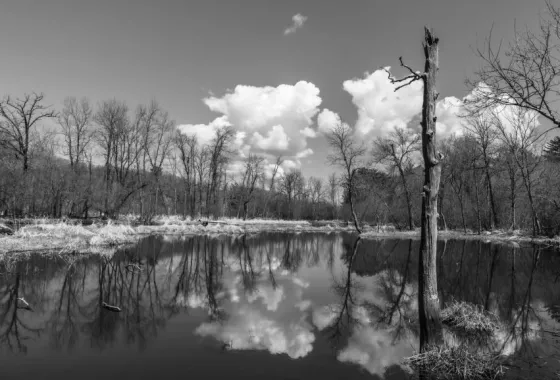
column 266, row 306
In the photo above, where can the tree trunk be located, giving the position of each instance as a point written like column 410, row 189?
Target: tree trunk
column 478, row 218
column 494, row 220
column 351, row 200
column 428, row 299
column 408, row 200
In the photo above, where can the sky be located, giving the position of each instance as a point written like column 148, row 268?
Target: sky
column 268, row 68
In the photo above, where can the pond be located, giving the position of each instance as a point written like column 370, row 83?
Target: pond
column 270, row 305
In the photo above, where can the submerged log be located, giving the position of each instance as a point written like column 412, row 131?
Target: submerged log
column 112, row 308
column 23, row 304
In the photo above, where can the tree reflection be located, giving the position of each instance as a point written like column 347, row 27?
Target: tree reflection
column 398, row 299
column 345, row 311
column 68, row 312
column 13, row 330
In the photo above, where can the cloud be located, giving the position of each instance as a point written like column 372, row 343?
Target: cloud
column 297, row 22
column 268, row 120
column 204, row 132
column 276, row 139
column 305, row 153
column 327, row 120
column 308, row 132
column 380, row 108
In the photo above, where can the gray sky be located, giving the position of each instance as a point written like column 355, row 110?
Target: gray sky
column 179, row 52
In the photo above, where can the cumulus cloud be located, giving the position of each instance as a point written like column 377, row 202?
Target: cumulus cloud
column 276, row 139
column 327, row 120
column 268, row 120
column 204, row 132
column 380, row 108
column 297, row 22
column 305, row 153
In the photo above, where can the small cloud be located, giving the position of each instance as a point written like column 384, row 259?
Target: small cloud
column 305, row 153
column 297, row 22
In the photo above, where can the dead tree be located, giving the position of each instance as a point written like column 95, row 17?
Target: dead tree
column 428, row 299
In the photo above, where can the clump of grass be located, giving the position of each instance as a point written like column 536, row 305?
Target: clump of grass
column 469, row 320
column 113, row 235
column 442, row 363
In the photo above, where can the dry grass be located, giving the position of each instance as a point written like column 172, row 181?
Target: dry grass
column 62, row 238
column 457, row 363
column 469, row 321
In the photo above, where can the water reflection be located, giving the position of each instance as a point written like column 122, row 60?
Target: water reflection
column 318, row 298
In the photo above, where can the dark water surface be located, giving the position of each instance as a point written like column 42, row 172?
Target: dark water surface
column 267, row 306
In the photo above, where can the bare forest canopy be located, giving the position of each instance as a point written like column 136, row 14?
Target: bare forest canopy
column 109, row 159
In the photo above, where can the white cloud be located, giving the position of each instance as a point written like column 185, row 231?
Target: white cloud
column 204, row 132
column 305, row 153
column 380, row 108
column 297, row 22
column 268, row 120
column 276, row 139
column 308, row 132
column 327, row 120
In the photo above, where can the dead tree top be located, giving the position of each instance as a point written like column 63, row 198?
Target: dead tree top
column 414, row 76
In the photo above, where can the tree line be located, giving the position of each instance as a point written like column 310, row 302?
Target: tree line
column 109, row 160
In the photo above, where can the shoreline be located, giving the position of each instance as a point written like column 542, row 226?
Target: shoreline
column 59, row 237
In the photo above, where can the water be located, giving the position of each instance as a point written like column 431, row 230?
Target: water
column 274, row 306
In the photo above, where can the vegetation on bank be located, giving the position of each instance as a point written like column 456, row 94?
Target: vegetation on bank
column 467, row 353
column 70, row 236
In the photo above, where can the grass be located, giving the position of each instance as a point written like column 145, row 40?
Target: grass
column 59, row 237
column 472, row 357
column 469, row 321
column 447, row 362
column 64, row 238
column 67, row 237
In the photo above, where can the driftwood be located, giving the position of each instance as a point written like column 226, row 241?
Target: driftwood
column 23, row 304
column 112, row 308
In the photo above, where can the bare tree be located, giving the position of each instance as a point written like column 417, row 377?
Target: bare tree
column 485, row 134
column 428, row 298
column 291, row 185
column 19, row 121
column 517, row 128
column 253, row 171
column 219, row 150
column 524, row 74
column 158, row 129
column 333, row 193
column 316, row 193
column 187, row 147
column 347, row 153
column 271, row 187
column 396, row 151
column 75, row 120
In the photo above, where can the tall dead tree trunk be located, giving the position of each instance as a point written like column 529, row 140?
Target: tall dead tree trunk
column 428, row 299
